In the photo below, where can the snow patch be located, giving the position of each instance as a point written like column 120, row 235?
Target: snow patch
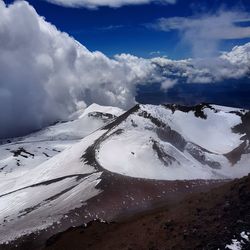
column 239, row 244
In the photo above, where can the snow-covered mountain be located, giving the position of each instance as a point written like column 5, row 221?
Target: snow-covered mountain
column 175, row 142
column 38, row 182
column 29, row 151
column 46, row 175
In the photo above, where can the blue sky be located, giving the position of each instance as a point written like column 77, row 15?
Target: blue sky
column 125, row 29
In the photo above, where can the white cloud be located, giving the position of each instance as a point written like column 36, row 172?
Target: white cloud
column 230, row 65
column 92, row 4
column 168, row 83
column 204, row 32
column 44, row 73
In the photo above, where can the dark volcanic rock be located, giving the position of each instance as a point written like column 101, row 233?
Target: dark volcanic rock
column 198, row 109
column 202, row 221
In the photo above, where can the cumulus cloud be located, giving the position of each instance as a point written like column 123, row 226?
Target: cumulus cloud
column 204, row 32
column 230, row 65
column 93, row 4
column 45, row 74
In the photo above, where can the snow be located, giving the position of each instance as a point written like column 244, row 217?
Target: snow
column 17, row 220
column 47, row 180
column 49, row 177
column 47, row 143
column 238, row 244
column 214, row 133
column 64, row 164
column 131, row 153
column 42, row 189
column 228, row 109
column 103, row 109
column 245, row 235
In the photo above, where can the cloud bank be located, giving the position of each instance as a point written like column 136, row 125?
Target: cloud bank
column 204, row 32
column 45, row 75
column 93, row 4
column 230, row 65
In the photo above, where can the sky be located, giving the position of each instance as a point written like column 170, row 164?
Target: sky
column 59, row 56
column 130, row 28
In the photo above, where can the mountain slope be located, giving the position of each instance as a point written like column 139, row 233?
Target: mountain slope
column 218, row 219
column 135, row 161
column 36, row 148
column 173, row 142
column 38, row 184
